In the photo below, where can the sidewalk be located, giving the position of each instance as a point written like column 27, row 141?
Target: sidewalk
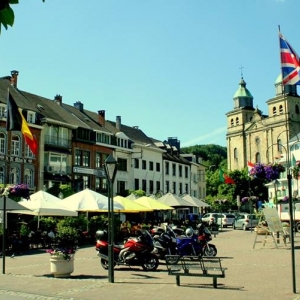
column 260, row 273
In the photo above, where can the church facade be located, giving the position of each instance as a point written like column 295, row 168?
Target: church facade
column 255, row 137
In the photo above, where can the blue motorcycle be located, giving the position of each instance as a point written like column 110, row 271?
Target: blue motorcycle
column 189, row 245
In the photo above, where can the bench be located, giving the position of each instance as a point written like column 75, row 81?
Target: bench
column 195, row 266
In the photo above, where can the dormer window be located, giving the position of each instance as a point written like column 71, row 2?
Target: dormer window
column 31, row 117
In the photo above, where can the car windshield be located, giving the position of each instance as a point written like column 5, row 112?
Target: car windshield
column 230, row 216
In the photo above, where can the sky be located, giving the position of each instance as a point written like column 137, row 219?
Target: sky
column 170, row 67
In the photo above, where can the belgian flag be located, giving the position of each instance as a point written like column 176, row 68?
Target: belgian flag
column 16, row 121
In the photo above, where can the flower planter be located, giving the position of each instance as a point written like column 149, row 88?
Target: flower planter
column 261, row 231
column 61, row 267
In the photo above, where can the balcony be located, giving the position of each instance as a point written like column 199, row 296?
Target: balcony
column 57, row 142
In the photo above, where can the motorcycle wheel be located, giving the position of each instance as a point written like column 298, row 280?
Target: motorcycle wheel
column 150, row 263
column 104, row 263
column 210, row 251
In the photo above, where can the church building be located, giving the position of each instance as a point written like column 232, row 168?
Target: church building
column 255, row 137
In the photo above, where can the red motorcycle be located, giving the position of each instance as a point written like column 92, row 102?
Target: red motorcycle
column 204, row 237
column 136, row 251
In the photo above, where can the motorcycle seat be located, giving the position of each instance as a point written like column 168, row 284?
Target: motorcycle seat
column 119, row 246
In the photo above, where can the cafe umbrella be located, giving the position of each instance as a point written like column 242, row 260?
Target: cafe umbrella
column 7, row 205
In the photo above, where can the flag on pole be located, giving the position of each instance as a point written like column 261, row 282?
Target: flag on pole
column 16, row 121
column 224, row 178
column 290, row 64
column 250, row 165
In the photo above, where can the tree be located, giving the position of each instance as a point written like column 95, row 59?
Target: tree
column 7, row 16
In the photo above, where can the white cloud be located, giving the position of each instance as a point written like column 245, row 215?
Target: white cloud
column 213, row 137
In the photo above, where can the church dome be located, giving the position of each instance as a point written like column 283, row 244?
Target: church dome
column 242, row 91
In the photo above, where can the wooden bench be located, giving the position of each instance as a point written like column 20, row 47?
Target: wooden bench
column 195, row 266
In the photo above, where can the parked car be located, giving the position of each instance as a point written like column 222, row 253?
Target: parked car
column 210, row 218
column 245, row 221
column 225, row 219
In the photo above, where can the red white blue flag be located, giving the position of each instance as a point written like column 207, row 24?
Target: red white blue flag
column 290, row 63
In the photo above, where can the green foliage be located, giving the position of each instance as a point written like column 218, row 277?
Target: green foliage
column 212, row 155
column 24, row 230
column 46, row 224
column 7, row 15
column 65, row 189
column 138, row 193
column 66, row 234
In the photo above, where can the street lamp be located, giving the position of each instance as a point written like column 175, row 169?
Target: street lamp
column 276, row 184
column 110, row 167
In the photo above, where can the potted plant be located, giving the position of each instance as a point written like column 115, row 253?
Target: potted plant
column 62, row 255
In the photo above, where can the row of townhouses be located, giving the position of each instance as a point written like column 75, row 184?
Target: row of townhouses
column 73, row 144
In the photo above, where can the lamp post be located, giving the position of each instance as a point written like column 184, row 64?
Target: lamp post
column 276, row 184
column 110, row 167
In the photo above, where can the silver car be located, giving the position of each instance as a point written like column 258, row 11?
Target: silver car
column 225, row 219
column 245, row 221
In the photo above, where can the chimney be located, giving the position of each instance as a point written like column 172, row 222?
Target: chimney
column 79, row 106
column 14, row 78
column 101, row 117
column 58, row 99
column 118, row 123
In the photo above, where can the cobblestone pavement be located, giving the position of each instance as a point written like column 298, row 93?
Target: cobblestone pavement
column 259, row 272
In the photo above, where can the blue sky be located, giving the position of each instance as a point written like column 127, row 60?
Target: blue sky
column 170, row 67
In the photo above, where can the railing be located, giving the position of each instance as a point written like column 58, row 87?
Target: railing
column 57, row 141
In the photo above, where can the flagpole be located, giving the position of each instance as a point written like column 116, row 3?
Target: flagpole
column 289, row 176
column 4, row 235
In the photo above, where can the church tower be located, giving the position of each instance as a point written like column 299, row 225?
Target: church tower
column 255, row 137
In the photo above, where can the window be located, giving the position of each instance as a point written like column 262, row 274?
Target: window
column 151, row 165
column 174, row 188
column 86, row 158
column 187, row 188
column 167, row 168
column 136, row 163
column 237, row 121
column 28, row 178
column 14, row 176
column 77, row 158
column 98, row 160
column 279, row 146
column 274, row 110
column 167, row 186
column 122, row 164
column 2, row 112
column 180, row 188
column 136, row 184
column 257, row 157
column 144, row 166
column 144, row 185
column 2, row 179
column 82, row 158
column 235, row 153
column 180, row 170
column 231, row 122
column 28, row 152
column 157, row 186
column 151, row 186
column 186, row 172
column 15, row 145
column 174, row 169
column 30, row 117
column 281, row 109
column 2, row 143
column 158, row 167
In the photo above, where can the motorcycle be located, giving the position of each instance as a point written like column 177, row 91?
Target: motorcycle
column 189, row 245
column 164, row 242
column 204, row 236
column 136, row 251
